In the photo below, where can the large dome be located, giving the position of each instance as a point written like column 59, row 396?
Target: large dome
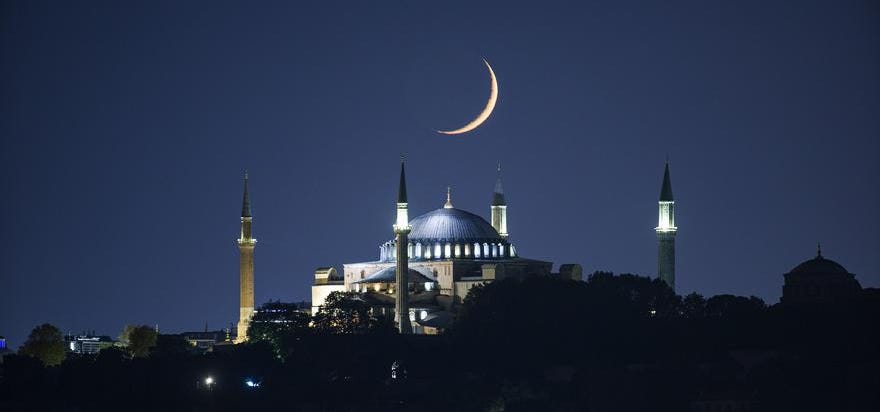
column 452, row 225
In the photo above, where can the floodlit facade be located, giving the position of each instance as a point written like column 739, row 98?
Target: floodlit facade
column 87, row 344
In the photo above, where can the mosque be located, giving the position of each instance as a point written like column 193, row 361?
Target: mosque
column 437, row 258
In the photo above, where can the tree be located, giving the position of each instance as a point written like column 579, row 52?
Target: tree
column 645, row 296
column 139, row 339
column 725, row 306
column 278, row 324
column 693, row 306
column 46, row 344
column 347, row 313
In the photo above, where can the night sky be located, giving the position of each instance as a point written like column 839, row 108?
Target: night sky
column 126, row 129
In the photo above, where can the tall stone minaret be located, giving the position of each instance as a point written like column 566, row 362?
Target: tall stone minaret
column 499, row 208
column 401, row 232
column 246, row 244
column 666, row 232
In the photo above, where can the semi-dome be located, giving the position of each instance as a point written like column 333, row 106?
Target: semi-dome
column 389, row 275
column 452, row 225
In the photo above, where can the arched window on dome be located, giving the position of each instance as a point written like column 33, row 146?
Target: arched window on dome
column 437, row 250
column 467, row 250
column 512, row 251
column 447, row 251
column 486, row 250
column 418, row 250
column 457, row 250
column 501, row 250
column 393, row 250
column 427, row 254
column 494, row 250
column 409, row 249
column 477, row 253
column 363, row 274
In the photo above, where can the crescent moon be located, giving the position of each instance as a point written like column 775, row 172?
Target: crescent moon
column 490, row 105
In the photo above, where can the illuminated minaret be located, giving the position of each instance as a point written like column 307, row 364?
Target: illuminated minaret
column 246, row 244
column 499, row 208
column 401, row 231
column 666, row 232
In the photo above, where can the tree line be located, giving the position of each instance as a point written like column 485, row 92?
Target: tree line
column 612, row 342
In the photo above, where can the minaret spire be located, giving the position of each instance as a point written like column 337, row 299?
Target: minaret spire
column 666, row 231
column 499, row 207
column 401, row 232
column 498, row 194
column 246, row 244
column 666, row 188
column 246, row 199
column 448, row 204
column 401, row 189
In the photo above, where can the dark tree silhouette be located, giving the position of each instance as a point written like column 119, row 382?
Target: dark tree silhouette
column 348, row 313
column 720, row 306
column 139, row 339
column 279, row 325
column 693, row 306
column 46, row 344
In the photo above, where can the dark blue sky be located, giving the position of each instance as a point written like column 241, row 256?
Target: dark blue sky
column 126, row 127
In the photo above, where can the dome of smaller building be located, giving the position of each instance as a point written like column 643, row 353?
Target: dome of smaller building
column 819, row 265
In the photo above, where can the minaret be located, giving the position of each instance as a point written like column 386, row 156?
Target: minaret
column 246, row 244
column 401, row 231
column 666, row 232
column 499, row 207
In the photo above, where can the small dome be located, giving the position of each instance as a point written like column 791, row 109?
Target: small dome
column 819, row 265
column 452, row 225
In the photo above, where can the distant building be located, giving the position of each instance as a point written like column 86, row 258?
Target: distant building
column 205, row 341
column 3, row 349
column 820, row 280
column 87, row 344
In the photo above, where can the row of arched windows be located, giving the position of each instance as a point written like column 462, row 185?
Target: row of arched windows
column 440, row 250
